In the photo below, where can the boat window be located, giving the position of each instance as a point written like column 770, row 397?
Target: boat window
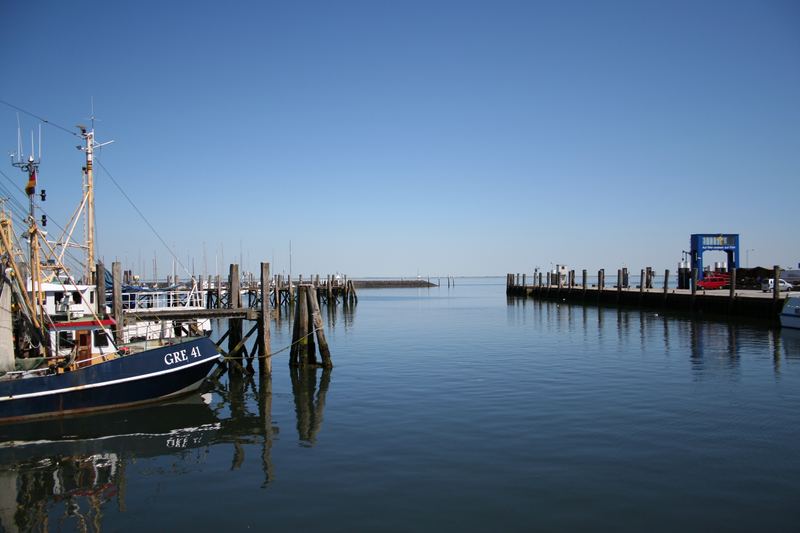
column 91, row 297
column 76, row 297
column 100, row 338
column 58, row 296
column 66, row 339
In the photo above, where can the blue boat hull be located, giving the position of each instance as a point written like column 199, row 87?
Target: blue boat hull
column 151, row 375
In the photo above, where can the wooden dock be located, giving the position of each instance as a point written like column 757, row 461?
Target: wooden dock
column 746, row 303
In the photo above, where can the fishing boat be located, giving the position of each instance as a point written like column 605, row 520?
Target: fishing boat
column 60, row 352
column 790, row 312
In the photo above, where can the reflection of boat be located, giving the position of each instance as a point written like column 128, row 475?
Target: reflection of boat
column 79, row 463
column 56, row 361
column 151, row 431
column 790, row 313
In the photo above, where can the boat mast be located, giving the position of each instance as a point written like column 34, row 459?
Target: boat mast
column 88, row 137
column 90, row 145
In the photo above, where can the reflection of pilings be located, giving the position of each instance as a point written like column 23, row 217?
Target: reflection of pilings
column 265, row 414
column 309, row 412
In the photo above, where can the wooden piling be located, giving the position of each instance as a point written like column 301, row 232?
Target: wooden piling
column 265, row 363
column 116, row 301
column 583, row 279
column 666, row 282
column 776, row 287
column 316, row 321
column 234, row 302
column 299, row 352
column 732, row 285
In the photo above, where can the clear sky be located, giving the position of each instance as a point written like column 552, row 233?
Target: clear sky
column 405, row 137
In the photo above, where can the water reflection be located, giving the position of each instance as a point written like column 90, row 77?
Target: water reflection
column 309, row 402
column 711, row 345
column 67, row 473
column 64, row 473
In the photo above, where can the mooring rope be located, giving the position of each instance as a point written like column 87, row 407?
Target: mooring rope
column 269, row 355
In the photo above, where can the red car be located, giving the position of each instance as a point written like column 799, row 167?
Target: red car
column 714, row 281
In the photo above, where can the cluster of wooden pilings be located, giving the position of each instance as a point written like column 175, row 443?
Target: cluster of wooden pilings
column 729, row 301
column 282, row 291
column 253, row 302
column 307, row 325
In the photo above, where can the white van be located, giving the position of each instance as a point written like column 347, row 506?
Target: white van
column 783, row 285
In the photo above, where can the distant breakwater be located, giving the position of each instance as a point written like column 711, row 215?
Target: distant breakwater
column 392, row 283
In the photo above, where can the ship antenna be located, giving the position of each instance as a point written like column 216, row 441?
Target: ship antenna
column 19, row 141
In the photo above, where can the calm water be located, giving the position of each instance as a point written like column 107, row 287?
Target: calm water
column 448, row 410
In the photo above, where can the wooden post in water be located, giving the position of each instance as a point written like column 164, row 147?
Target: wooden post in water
column 234, row 324
column 116, row 301
column 583, row 279
column 316, row 321
column 218, row 287
column 693, row 283
column 666, row 281
column 298, row 355
column 732, row 285
column 642, row 282
column 100, row 289
column 265, row 362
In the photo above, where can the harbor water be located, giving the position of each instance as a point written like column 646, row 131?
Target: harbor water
column 448, row 409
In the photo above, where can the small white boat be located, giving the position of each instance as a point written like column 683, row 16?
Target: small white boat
column 790, row 314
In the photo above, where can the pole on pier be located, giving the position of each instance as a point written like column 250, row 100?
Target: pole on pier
column 583, row 279
column 666, row 281
column 693, row 282
column 776, row 288
column 265, row 364
column 642, row 280
column 100, row 289
column 116, row 300
column 732, row 284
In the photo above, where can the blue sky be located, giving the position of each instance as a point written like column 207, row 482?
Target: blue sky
column 405, row 137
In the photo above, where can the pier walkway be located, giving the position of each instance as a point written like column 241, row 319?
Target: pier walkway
column 730, row 301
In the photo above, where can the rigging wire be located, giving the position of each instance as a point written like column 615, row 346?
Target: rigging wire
column 21, row 214
column 37, row 117
column 128, row 198
column 114, row 181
